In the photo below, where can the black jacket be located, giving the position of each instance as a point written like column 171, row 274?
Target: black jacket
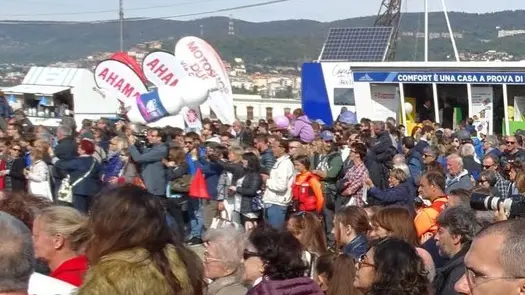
column 16, row 173
column 450, row 273
column 248, row 190
column 66, row 149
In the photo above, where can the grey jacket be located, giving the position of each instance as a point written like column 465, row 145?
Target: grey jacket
column 153, row 171
column 226, row 286
column 463, row 180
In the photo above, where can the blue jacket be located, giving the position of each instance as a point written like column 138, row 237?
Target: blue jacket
column 415, row 163
column 153, row 170
column 357, row 247
column 212, row 172
column 267, row 160
column 478, row 147
column 76, row 168
column 112, row 167
column 403, row 194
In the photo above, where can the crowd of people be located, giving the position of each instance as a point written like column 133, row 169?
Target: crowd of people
column 302, row 209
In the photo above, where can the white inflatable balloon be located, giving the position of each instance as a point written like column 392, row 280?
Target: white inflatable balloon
column 408, row 108
column 119, row 80
column 168, row 100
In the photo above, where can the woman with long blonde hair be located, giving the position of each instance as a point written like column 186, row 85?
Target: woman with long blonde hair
column 38, row 175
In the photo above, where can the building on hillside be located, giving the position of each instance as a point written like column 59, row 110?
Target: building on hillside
column 509, row 33
column 255, row 107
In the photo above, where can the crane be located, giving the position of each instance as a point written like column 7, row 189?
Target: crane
column 389, row 15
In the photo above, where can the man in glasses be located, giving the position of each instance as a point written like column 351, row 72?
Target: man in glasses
column 457, row 228
column 495, row 263
column 512, row 152
column 492, row 163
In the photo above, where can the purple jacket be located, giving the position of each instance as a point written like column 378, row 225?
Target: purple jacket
column 302, row 128
column 296, row 286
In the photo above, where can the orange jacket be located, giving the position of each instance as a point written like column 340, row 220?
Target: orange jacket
column 314, row 184
column 425, row 220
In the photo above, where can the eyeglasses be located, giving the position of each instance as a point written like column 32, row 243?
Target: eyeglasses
column 482, row 181
column 510, row 142
column 207, row 258
column 487, row 166
column 362, row 263
column 249, row 254
column 473, row 278
column 16, row 149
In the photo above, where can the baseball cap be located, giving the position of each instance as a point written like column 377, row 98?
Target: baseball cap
column 327, row 135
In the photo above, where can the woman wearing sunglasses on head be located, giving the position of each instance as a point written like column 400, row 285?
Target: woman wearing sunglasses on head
column 273, row 264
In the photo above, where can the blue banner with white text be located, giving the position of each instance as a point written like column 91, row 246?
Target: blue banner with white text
column 441, row 77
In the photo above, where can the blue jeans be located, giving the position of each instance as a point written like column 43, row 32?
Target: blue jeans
column 276, row 215
column 196, row 219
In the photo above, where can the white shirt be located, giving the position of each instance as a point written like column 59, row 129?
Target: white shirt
column 40, row 284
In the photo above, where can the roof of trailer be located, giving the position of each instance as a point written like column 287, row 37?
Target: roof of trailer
column 501, row 66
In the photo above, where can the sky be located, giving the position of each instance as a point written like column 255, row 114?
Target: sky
column 321, row 10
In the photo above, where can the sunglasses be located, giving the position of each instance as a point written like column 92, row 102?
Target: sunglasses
column 487, row 166
column 510, row 142
column 249, row 254
column 16, row 150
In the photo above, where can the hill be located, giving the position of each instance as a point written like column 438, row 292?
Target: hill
column 291, row 40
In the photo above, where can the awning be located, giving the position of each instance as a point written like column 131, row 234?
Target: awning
column 35, row 89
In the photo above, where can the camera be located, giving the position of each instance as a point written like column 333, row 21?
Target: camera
column 515, row 204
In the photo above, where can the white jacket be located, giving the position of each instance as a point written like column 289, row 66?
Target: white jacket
column 279, row 185
column 43, row 285
column 38, row 180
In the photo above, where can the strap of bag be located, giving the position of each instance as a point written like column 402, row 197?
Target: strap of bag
column 85, row 175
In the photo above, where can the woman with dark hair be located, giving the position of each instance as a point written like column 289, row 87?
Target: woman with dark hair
column 179, row 179
column 308, row 228
column 246, row 188
column 391, row 266
column 397, row 222
column 13, row 173
column 133, row 250
column 335, row 274
column 274, row 265
column 84, row 174
column 350, row 228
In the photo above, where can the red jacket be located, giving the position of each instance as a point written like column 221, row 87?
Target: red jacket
column 3, row 164
column 72, row 271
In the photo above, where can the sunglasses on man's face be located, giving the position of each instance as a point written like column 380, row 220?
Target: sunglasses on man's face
column 249, row 254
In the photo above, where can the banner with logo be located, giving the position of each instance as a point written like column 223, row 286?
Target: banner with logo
column 130, row 62
column 482, row 97
column 385, row 101
column 199, row 59
column 119, row 80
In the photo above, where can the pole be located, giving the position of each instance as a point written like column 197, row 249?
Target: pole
column 452, row 39
column 121, row 18
column 426, row 30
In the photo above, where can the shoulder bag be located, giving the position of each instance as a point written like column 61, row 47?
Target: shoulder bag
column 65, row 193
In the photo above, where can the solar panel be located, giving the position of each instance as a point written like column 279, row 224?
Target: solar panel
column 356, row 44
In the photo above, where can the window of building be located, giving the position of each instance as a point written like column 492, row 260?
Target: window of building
column 269, row 113
column 249, row 113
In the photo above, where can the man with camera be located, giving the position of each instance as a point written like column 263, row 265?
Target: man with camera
column 457, row 228
column 495, row 263
column 150, row 160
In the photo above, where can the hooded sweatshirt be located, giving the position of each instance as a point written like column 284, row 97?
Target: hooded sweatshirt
column 303, row 129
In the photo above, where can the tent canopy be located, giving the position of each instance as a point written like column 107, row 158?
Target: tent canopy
column 45, row 90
